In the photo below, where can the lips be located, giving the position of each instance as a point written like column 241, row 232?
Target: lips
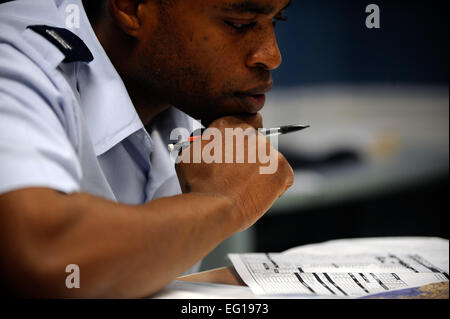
column 253, row 100
column 252, row 103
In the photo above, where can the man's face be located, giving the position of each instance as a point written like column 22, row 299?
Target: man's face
column 211, row 58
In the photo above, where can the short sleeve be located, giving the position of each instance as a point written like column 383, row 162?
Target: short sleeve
column 35, row 150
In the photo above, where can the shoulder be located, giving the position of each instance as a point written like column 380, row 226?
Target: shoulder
column 37, row 28
column 36, row 73
column 70, row 45
column 36, row 57
column 44, row 45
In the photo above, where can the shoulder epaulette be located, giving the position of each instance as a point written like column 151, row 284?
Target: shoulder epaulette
column 66, row 41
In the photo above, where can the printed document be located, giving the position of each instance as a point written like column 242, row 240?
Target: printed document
column 350, row 268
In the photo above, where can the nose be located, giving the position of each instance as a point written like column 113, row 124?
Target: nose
column 266, row 53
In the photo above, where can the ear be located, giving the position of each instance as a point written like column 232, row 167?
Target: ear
column 127, row 15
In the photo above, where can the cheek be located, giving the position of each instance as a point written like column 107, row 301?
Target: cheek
column 208, row 67
column 192, row 66
column 221, row 62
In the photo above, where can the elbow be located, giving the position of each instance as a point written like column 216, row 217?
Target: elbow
column 35, row 274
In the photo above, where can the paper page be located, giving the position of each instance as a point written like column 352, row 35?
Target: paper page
column 342, row 273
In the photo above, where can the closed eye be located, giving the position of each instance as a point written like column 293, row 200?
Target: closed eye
column 240, row 26
column 278, row 18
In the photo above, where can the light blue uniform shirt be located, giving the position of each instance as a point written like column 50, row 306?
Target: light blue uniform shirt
column 72, row 126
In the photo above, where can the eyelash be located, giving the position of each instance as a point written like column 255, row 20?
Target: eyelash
column 243, row 27
column 281, row 18
column 240, row 26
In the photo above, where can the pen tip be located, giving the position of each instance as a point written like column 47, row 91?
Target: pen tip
column 294, row 128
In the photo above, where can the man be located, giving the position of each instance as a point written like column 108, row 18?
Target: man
column 86, row 110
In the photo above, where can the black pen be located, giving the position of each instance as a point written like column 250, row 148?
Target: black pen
column 264, row 131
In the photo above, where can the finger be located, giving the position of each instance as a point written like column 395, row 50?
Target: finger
column 239, row 120
column 254, row 120
column 284, row 164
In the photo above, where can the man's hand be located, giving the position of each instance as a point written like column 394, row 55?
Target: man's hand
column 250, row 192
column 132, row 251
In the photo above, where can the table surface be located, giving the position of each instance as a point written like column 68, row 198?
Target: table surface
column 229, row 276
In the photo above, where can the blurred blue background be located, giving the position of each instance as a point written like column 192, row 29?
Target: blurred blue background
column 375, row 160
column 327, row 41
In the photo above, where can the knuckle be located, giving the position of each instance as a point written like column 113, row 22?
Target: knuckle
column 219, row 123
column 245, row 126
column 255, row 121
column 290, row 177
column 284, row 164
column 281, row 160
column 258, row 120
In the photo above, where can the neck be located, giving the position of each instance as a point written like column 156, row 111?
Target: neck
column 119, row 48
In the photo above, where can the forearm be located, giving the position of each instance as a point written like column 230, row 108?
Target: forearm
column 184, row 229
column 122, row 251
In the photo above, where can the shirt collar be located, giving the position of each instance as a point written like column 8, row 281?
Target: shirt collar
column 109, row 112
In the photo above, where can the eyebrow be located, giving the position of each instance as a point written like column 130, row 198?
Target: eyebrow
column 249, row 6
